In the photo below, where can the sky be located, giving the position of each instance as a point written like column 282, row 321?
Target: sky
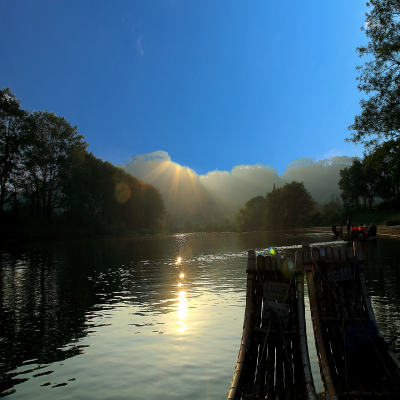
column 215, row 84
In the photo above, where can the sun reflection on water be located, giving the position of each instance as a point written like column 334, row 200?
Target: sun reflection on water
column 182, row 312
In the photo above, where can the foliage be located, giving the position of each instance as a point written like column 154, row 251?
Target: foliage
column 288, row 207
column 102, row 194
column 251, row 217
column 377, row 175
column 351, row 184
column 46, row 158
column 66, row 190
column 373, row 216
column 13, row 139
column 379, row 77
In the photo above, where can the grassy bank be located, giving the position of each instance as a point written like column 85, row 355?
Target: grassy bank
column 373, row 216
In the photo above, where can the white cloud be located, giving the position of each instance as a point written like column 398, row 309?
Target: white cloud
column 139, row 47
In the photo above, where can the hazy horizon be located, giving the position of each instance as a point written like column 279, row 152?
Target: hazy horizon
column 232, row 189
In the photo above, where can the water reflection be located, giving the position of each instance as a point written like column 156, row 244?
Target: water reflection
column 123, row 306
column 182, row 306
column 182, row 312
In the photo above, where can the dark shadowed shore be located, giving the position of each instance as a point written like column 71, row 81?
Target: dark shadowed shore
column 392, row 231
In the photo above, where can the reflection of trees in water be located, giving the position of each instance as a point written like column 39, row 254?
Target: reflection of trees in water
column 38, row 316
column 383, row 281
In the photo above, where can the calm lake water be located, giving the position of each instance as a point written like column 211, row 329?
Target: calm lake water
column 145, row 316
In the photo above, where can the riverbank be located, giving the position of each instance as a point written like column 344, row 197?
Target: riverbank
column 382, row 230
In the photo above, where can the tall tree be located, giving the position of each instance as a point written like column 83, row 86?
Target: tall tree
column 12, row 141
column 380, row 162
column 379, row 77
column 251, row 217
column 289, row 206
column 47, row 158
column 351, row 184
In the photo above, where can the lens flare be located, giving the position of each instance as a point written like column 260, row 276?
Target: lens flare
column 271, row 250
column 181, row 275
column 178, row 260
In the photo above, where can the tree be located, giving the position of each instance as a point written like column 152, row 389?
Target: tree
column 251, row 217
column 379, row 77
column 371, row 179
column 84, row 189
column 154, row 206
column 12, row 141
column 351, row 184
column 46, row 160
column 394, row 165
column 379, row 163
column 289, row 206
column 272, row 209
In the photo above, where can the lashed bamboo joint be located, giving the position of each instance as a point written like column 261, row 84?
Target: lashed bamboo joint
column 273, row 361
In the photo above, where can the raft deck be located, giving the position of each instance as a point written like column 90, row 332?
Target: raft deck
column 273, row 359
column 355, row 362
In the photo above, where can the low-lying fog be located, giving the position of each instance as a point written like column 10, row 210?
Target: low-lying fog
column 218, row 193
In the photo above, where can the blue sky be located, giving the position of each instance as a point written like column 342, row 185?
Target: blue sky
column 213, row 83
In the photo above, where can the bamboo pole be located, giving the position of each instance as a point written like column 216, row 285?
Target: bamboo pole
column 259, row 385
column 269, row 384
column 308, row 378
column 259, row 291
column 237, row 380
column 335, row 337
column 280, row 390
column 329, row 387
column 288, row 363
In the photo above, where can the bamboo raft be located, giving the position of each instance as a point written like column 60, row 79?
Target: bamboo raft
column 354, row 360
column 273, row 359
column 370, row 234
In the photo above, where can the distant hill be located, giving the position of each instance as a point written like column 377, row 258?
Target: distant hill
column 209, row 197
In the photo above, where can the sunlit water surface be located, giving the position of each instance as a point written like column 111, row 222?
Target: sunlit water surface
column 145, row 316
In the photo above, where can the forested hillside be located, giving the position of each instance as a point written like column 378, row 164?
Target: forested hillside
column 51, row 186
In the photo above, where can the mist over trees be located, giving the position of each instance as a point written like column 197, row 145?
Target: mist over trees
column 206, row 199
column 320, row 178
column 185, row 197
column 288, row 207
column 51, row 186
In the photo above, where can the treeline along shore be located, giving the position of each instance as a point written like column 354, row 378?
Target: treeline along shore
column 51, row 186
